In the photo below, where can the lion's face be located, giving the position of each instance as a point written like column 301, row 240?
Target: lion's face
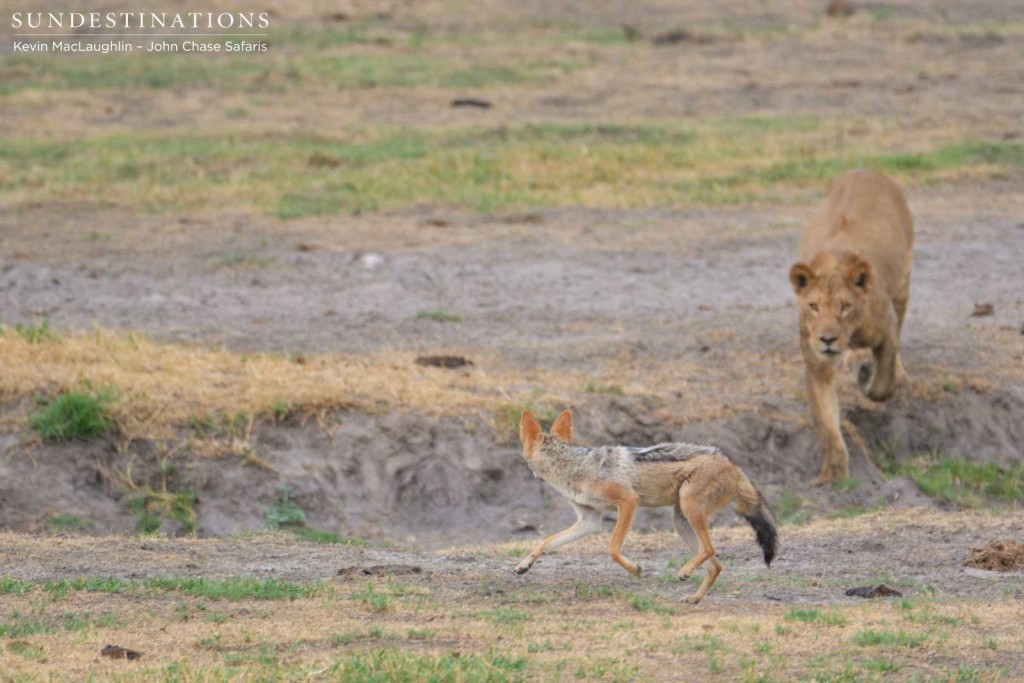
column 832, row 294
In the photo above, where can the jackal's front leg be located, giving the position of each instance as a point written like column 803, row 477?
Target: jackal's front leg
column 588, row 521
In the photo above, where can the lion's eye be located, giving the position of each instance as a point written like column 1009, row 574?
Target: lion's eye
column 813, row 307
column 844, row 308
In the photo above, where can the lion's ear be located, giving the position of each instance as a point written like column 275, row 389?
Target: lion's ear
column 801, row 277
column 529, row 429
column 861, row 276
column 562, row 428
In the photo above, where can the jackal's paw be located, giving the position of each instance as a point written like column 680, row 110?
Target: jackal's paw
column 694, row 599
column 633, row 569
column 523, row 567
column 684, row 577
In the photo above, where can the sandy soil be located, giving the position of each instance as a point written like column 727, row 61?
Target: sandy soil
column 913, row 551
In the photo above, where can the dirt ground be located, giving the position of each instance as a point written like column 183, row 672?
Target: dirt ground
column 565, row 612
column 815, row 565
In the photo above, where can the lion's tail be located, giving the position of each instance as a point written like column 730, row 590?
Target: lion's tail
column 750, row 504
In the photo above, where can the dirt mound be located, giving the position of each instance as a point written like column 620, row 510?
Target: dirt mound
column 435, row 482
column 997, row 556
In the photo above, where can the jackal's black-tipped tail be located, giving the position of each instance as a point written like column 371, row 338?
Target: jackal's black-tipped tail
column 765, row 531
column 753, row 508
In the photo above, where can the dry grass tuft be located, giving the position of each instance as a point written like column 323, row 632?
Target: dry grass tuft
column 162, row 386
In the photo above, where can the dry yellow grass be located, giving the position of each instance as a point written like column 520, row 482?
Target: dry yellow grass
column 579, row 624
column 161, row 385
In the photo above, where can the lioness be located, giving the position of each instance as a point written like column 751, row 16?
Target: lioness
column 852, row 283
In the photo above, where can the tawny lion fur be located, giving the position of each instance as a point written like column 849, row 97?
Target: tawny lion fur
column 852, row 284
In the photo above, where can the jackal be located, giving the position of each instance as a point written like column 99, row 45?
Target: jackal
column 696, row 481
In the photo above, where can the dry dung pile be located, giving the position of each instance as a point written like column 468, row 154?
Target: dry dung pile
column 999, row 556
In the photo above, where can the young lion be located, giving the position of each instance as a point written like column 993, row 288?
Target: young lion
column 852, row 284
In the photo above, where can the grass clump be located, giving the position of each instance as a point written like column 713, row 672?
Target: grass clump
column 438, row 316
column 234, row 589
column 790, row 509
column 152, row 506
column 815, row 616
column 482, row 169
column 75, row 416
column 285, row 512
column 66, row 523
column 396, row 665
column 962, row 482
column 872, row 638
column 593, row 387
column 33, row 333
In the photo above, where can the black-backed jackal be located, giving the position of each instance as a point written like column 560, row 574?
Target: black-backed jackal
column 696, row 480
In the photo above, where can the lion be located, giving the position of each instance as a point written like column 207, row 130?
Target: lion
column 852, row 283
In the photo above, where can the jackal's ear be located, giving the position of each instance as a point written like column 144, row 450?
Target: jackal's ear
column 563, row 427
column 529, row 429
column 800, row 276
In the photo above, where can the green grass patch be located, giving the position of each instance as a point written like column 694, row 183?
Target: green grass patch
column 81, row 415
column 66, row 523
column 26, row 650
column 19, row 624
column 790, row 509
column 152, row 506
column 285, row 512
column 962, row 482
column 377, row 601
column 891, row 639
column 584, row 591
column 593, row 387
column 231, row 589
column 309, row 63
column 505, row 615
column 328, row 538
column 397, row 665
column 847, row 511
column 235, row 588
column 816, row 616
column 645, row 603
column 33, row 333
column 487, row 170
column 438, row 316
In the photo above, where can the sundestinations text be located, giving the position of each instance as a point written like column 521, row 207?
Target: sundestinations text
column 140, row 20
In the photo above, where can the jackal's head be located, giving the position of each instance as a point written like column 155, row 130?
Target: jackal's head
column 532, row 436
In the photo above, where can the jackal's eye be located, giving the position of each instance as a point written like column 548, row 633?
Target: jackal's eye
column 813, row 307
column 844, row 307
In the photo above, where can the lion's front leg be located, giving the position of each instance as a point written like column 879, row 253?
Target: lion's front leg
column 821, row 392
column 887, row 369
column 879, row 380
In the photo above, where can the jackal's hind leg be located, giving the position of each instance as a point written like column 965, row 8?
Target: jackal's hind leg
column 696, row 519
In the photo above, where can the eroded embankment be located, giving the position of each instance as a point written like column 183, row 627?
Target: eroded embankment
column 436, row 481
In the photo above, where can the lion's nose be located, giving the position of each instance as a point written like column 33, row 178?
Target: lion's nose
column 827, row 341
